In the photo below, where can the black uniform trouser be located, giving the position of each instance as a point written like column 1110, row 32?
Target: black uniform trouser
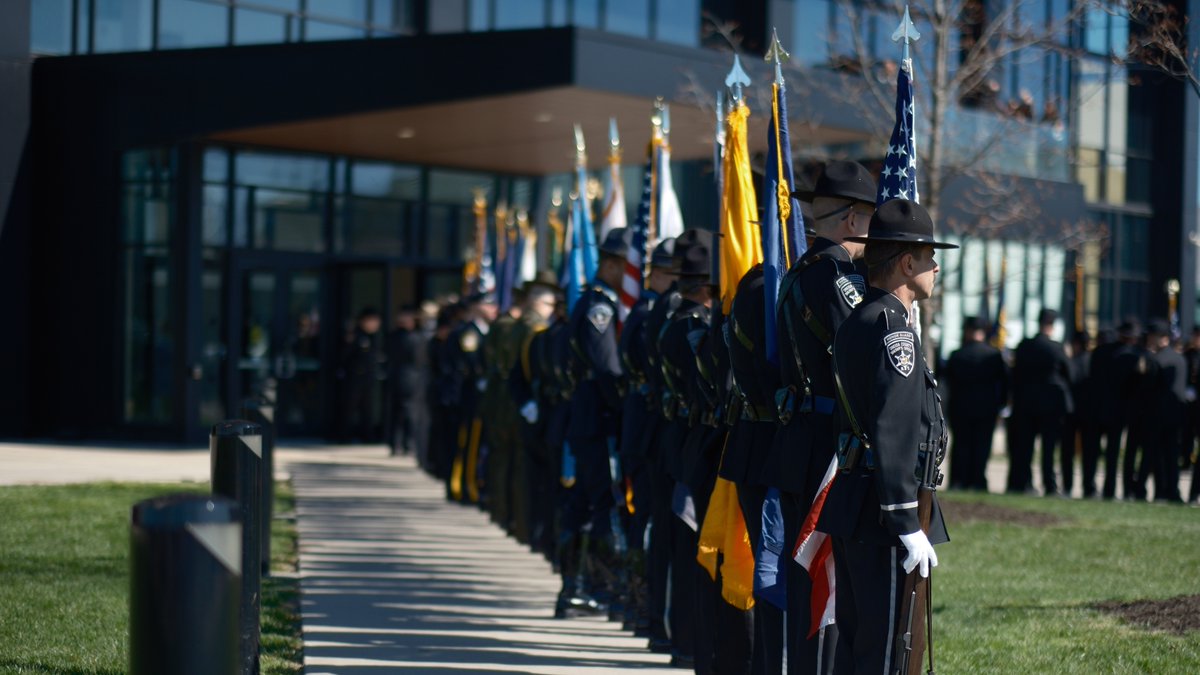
column 870, row 583
column 804, row 654
column 683, row 583
column 590, row 500
column 1109, row 431
column 1028, row 426
column 1135, row 445
column 442, row 430
column 971, row 451
column 658, row 558
column 767, row 658
column 1194, row 492
column 1161, row 458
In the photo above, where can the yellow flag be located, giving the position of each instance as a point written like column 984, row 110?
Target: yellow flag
column 724, row 541
column 741, row 247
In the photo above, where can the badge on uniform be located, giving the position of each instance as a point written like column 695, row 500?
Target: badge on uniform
column 902, row 352
column 469, row 341
column 600, row 315
column 852, row 287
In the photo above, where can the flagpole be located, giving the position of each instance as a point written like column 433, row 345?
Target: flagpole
column 656, row 139
column 783, row 192
column 476, row 266
column 1079, row 297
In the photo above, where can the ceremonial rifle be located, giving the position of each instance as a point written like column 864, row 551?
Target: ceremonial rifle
column 916, row 604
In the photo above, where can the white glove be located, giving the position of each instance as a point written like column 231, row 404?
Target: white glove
column 481, row 384
column 530, row 412
column 920, row 552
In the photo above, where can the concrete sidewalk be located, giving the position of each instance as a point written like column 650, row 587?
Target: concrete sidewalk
column 396, row 579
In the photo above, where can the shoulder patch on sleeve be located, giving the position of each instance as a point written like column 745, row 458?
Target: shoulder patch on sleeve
column 851, row 287
column 901, row 350
column 600, row 314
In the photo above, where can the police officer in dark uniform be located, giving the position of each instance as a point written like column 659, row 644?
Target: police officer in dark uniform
column 470, row 371
column 550, row 390
column 679, row 351
column 894, row 438
column 1041, row 380
column 639, row 420
column 363, row 366
column 815, row 297
column 594, row 419
column 1164, row 432
column 977, row 381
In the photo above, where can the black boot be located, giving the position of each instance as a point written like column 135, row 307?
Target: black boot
column 572, row 601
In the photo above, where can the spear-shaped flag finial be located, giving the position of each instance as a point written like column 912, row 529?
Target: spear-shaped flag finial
column 777, row 55
column 907, row 31
column 614, row 141
column 580, row 147
column 736, row 79
column 666, row 121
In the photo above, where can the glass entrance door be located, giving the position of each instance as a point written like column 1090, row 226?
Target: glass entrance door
column 281, row 343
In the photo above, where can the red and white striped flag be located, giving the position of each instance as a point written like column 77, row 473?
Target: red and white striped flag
column 635, row 259
column 814, row 552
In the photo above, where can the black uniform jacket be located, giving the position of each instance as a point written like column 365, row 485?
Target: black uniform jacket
column 977, row 378
column 595, row 403
column 639, row 414
column 816, row 296
column 893, row 396
column 1041, row 377
column 679, row 347
column 467, row 364
column 756, row 378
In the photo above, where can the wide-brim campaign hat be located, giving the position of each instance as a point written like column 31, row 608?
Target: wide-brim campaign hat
column 543, row 279
column 843, row 180
column 616, row 242
column 664, row 253
column 902, row 221
column 695, row 268
column 685, row 241
column 806, row 211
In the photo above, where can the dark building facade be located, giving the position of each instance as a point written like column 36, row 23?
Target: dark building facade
column 200, row 195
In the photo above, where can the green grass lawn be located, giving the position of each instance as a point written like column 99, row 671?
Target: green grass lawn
column 1018, row 599
column 64, row 579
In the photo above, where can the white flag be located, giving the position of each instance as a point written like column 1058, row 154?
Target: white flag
column 670, row 218
column 614, row 205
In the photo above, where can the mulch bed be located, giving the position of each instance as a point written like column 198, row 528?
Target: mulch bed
column 1179, row 615
column 962, row 512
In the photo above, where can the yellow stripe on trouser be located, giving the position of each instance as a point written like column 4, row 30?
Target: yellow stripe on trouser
column 456, row 468
column 473, row 460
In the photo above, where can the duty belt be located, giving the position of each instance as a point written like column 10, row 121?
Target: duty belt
column 787, row 406
column 852, row 455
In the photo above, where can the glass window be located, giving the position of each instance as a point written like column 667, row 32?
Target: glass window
column 50, row 26
column 479, row 18
column 1118, row 110
column 287, row 5
column 1091, row 103
column 455, row 187
column 585, row 13
column 520, row 14
column 192, row 23
column 377, row 226
column 82, row 20
column 123, row 25
column 350, row 10
column 215, row 215
column 629, row 17
column 1095, row 32
column 678, row 22
column 251, row 27
column 448, row 232
column 148, row 337
column 216, row 164
column 1087, row 172
column 283, row 171
column 809, row 25
column 289, row 221
column 385, row 180
column 558, row 12
column 447, row 16
column 212, row 400
column 147, row 213
column 394, row 15
column 319, row 30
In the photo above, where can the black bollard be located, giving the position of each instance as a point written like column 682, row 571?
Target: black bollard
column 262, row 412
column 185, row 586
column 236, row 448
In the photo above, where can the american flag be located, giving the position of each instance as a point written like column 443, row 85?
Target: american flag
column 814, row 552
column 899, row 177
column 635, row 259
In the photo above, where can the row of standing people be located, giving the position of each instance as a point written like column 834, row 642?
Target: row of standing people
column 598, row 439
column 1127, row 403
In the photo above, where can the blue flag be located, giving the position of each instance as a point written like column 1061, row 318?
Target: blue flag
column 582, row 258
column 899, row 177
column 782, row 228
column 509, row 268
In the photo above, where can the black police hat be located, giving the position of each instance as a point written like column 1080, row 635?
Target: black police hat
column 1047, row 316
column 544, row 279
column 689, row 238
column 664, row 253
column 1129, row 328
column 1158, row 327
column 480, row 297
column 616, row 242
column 974, row 323
column 843, row 180
column 695, row 267
column 902, row 221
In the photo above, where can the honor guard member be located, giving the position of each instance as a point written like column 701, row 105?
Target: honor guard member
column 892, row 441
column 470, row 373
column 666, row 432
column 537, row 309
column 977, row 382
column 501, row 431
column 550, row 390
column 595, row 409
column 815, row 297
column 679, row 348
column 1041, row 379
column 639, row 418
